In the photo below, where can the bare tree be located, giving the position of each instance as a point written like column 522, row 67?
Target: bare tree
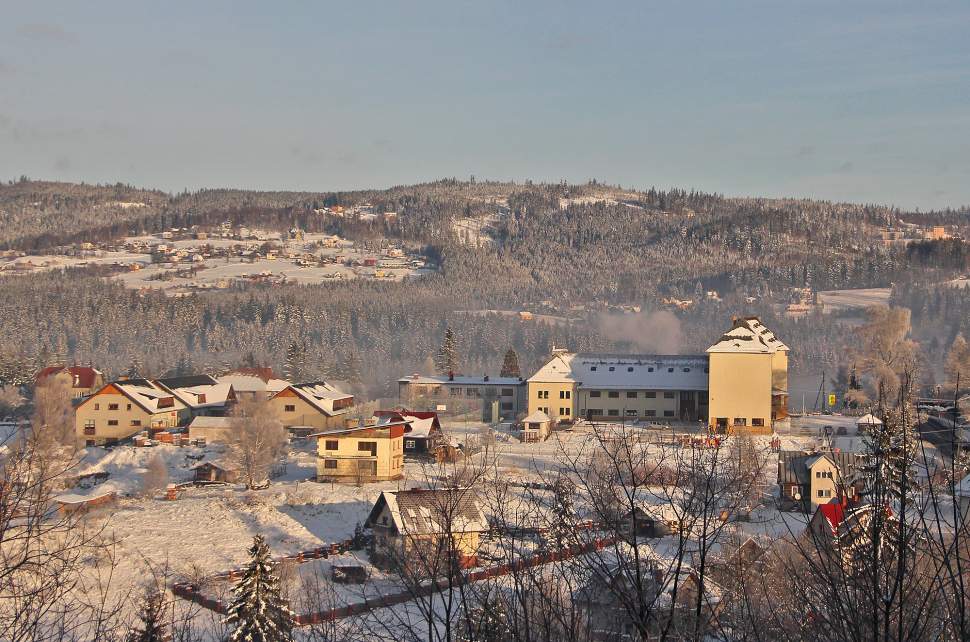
column 257, row 441
column 53, row 417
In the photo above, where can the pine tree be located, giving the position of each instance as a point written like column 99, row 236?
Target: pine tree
column 258, row 612
column 563, row 511
column 510, row 366
column 446, row 361
column 151, row 627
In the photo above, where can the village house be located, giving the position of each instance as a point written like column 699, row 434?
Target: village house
column 211, row 429
column 422, row 431
column 307, row 407
column 807, row 480
column 216, row 470
column 414, row 527
column 124, row 408
column 361, row 453
column 458, row 392
column 82, row 381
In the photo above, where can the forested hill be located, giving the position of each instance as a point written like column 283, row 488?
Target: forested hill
column 565, row 250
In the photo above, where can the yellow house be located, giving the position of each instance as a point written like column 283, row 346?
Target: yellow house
column 122, row 409
column 748, row 382
column 311, row 406
column 552, row 389
column 412, row 526
column 361, row 453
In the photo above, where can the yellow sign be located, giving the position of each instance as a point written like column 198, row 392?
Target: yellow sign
column 831, row 400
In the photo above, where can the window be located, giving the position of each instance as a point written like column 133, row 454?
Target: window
column 686, row 369
column 367, row 446
column 97, row 406
column 332, row 444
column 818, row 474
column 112, row 422
column 613, row 412
column 89, row 430
column 668, row 395
column 650, row 394
column 631, row 394
column 670, row 369
column 112, row 406
column 128, row 406
column 409, row 443
column 330, row 464
column 631, row 413
column 650, row 369
column 592, row 368
column 595, row 412
column 507, row 392
column 508, row 405
column 629, row 369
column 651, row 413
column 89, row 443
column 471, row 392
column 594, row 393
column 612, row 368
column 564, row 394
column 757, row 421
column 564, row 412
column 614, row 394
column 543, row 394
column 668, row 413
column 136, row 422
column 289, row 408
column 740, row 421
column 456, row 392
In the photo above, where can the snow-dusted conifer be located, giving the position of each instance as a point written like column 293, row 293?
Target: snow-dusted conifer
column 258, row 612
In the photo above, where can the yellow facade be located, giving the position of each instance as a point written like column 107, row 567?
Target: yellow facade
column 740, row 391
column 557, row 399
column 109, row 416
column 361, row 454
column 293, row 410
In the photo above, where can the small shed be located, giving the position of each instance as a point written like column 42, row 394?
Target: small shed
column 866, row 423
column 216, row 470
column 535, row 427
column 72, row 503
column 349, row 573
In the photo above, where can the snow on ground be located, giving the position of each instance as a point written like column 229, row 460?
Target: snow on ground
column 837, row 300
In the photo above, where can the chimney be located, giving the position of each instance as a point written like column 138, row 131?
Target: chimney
column 486, row 377
column 451, row 375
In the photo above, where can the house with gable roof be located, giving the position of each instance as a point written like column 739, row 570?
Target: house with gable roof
column 310, row 407
column 122, row 409
column 80, row 380
column 417, row 524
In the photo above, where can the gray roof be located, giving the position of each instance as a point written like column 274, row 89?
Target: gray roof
column 793, row 465
column 426, row 512
column 626, row 371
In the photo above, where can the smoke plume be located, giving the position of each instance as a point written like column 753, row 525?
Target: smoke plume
column 646, row 332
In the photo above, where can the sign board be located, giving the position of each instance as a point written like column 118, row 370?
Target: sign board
column 441, row 407
column 831, row 400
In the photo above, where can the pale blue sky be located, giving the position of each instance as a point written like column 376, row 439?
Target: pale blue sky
column 860, row 101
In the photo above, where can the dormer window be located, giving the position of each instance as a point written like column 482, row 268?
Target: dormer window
column 650, row 369
column 612, row 368
column 592, row 368
column 629, row 369
column 670, row 369
column 686, row 369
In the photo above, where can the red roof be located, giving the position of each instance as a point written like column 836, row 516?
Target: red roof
column 834, row 513
column 419, row 414
column 82, row 376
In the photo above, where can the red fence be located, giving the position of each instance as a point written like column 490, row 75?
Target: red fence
column 192, row 593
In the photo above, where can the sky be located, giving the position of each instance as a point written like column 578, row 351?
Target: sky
column 843, row 100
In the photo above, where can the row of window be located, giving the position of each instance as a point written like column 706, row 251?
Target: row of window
column 89, row 425
column 112, row 406
column 476, row 392
column 613, row 412
column 631, row 394
column 740, row 421
column 563, row 394
column 649, row 369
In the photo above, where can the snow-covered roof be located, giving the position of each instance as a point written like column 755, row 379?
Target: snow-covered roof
column 627, row 371
column 244, row 382
column 149, row 395
column 461, row 380
column 322, row 395
column 210, row 422
column 420, row 427
column 537, row 417
column 868, row 420
column 202, row 395
column 748, row 335
column 426, row 512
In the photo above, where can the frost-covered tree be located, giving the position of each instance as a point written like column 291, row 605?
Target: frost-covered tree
column 446, row 361
column 510, row 365
column 957, row 366
column 151, row 625
column 257, row 611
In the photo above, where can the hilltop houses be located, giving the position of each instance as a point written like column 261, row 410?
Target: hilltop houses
column 122, row 409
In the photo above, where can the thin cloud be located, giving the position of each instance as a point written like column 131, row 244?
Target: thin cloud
column 805, row 151
column 845, row 167
column 46, row 32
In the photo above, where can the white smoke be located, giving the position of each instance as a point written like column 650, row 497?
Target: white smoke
column 647, row 332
